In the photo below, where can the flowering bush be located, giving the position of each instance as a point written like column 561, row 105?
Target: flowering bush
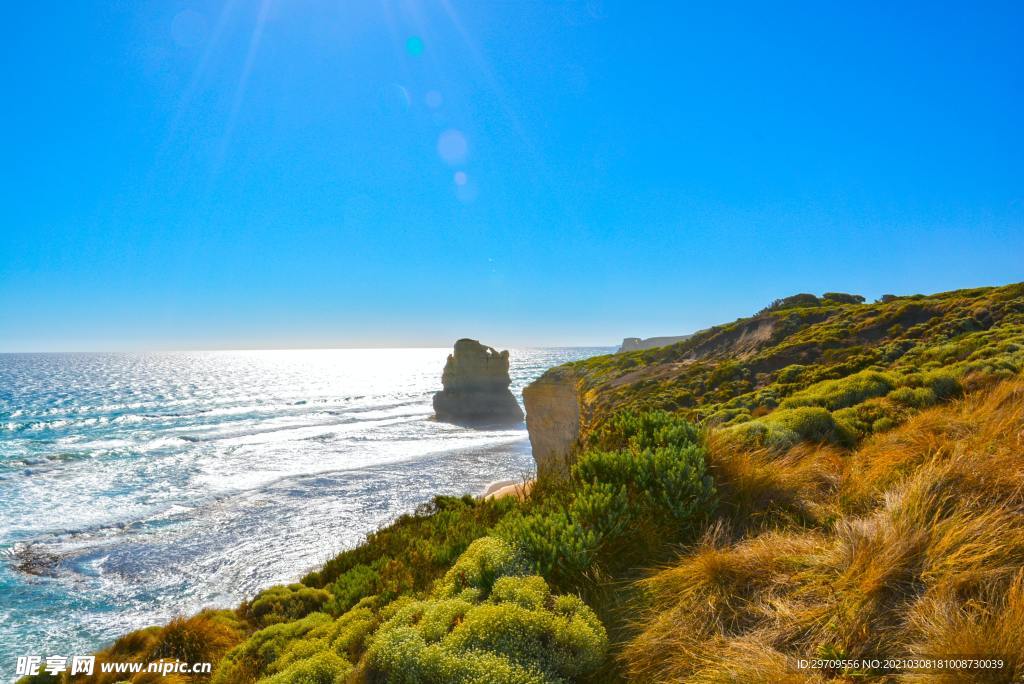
column 520, row 633
column 483, row 562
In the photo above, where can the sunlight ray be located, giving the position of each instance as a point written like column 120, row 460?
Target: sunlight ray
column 243, row 81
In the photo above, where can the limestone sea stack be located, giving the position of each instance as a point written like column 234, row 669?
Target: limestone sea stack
column 476, row 389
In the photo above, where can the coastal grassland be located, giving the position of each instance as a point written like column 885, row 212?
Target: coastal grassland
column 869, row 366
column 828, row 477
column 911, row 545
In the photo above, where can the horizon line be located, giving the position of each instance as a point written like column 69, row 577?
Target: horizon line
column 184, row 350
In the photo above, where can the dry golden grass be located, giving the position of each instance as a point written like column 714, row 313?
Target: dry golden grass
column 157, row 678
column 761, row 489
column 914, row 546
column 204, row 637
column 982, row 435
column 945, row 625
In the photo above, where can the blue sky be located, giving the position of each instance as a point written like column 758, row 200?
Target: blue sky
column 268, row 173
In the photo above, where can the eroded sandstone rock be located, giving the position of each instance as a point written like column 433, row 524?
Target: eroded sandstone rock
column 476, row 389
column 553, row 419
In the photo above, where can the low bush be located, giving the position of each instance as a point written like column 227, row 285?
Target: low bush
column 257, row 655
column 639, row 431
column 842, row 298
column 519, row 633
column 782, row 429
column 351, row 586
column 282, row 603
column 914, row 397
column 793, row 302
column 810, row 423
column 486, row 559
column 843, row 392
column 872, row 416
column 621, row 504
column 408, row 555
column 326, row 667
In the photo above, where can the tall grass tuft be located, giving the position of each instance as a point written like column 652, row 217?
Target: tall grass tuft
column 913, row 547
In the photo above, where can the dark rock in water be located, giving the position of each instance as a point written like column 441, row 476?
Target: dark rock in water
column 476, row 389
column 32, row 560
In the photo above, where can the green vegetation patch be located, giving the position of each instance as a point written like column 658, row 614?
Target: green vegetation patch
column 620, row 503
column 871, row 365
column 410, row 554
column 519, row 632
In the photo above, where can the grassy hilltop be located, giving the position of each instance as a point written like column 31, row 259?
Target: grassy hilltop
column 828, row 478
column 830, row 368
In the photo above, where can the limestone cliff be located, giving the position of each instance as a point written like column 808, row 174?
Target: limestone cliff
column 476, row 382
column 553, row 419
column 635, row 343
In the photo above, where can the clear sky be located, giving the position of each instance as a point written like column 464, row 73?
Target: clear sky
column 268, row 173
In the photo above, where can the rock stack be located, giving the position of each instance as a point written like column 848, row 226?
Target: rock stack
column 476, row 389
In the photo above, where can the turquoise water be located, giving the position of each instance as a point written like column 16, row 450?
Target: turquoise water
column 135, row 487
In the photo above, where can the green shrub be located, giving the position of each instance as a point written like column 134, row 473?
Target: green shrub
column 943, row 384
column 353, row 584
column 555, row 544
column 810, row 423
column 842, row 298
column 529, row 592
column 647, row 430
column 521, row 633
column 883, row 424
column 793, row 302
column 325, row 667
column 483, row 562
column 871, row 416
column 914, row 397
column 282, row 603
column 760, row 433
column 654, row 490
column 252, row 658
column 792, row 373
column 313, row 649
column 348, row 633
column 844, row 392
column 410, row 554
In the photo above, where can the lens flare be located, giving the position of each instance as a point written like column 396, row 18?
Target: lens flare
column 414, row 46
column 433, row 99
column 452, row 146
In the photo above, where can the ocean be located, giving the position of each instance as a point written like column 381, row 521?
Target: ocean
column 138, row 487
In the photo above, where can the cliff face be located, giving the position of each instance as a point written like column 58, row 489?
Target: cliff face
column 869, row 366
column 476, row 381
column 636, row 343
column 553, row 419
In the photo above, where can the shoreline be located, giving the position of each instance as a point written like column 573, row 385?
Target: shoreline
column 501, row 488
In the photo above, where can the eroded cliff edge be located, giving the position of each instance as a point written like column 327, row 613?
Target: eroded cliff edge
column 553, row 414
